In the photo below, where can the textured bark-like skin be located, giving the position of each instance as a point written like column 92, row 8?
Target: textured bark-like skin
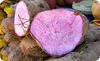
column 35, row 6
column 11, row 37
column 85, row 28
column 8, row 25
column 29, row 47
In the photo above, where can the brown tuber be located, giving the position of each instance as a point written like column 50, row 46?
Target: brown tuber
column 8, row 25
column 29, row 47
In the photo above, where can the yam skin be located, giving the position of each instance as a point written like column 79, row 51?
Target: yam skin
column 29, row 47
column 47, row 32
column 11, row 37
column 5, row 51
column 24, row 12
column 17, row 55
column 8, row 25
column 13, row 45
column 93, row 33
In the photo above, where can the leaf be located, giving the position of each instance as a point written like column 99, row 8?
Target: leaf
column 9, row 10
column 2, row 15
column 1, row 32
column 2, row 43
column 2, row 5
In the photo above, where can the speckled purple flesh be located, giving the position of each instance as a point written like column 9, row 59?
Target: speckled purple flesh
column 58, row 31
column 21, row 19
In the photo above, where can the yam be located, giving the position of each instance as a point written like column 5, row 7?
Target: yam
column 24, row 12
column 8, row 25
column 17, row 55
column 29, row 47
column 11, row 37
column 13, row 45
column 59, row 31
column 5, row 51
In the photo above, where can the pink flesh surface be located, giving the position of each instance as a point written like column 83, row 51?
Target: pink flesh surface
column 58, row 31
column 22, row 11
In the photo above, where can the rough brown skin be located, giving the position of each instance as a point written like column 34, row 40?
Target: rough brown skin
column 11, row 37
column 85, row 27
column 35, row 6
column 5, row 51
column 8, row 25
column 29, row 47
column 17, row 55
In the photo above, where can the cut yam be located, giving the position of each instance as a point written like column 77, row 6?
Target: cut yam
column 59, row 31
column 24, row 12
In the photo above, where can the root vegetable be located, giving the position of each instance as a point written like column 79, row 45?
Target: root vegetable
column 5, row 51
column 8, row 25
column 29, row 47
column 17, row 55
column 24, row 12
column 59, row 31
column 13, row 45
column 10, row 37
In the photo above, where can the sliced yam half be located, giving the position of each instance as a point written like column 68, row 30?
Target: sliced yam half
column 24, row 12
column 58, row 31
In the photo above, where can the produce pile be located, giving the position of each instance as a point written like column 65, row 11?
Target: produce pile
column 37, row 30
